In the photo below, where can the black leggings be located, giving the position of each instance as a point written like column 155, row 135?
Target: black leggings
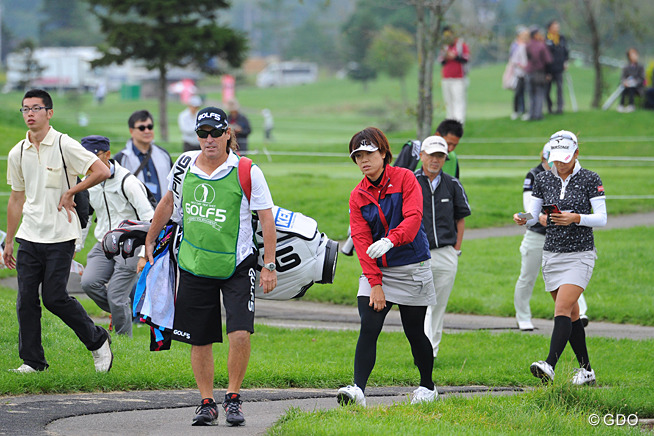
column 413, row 322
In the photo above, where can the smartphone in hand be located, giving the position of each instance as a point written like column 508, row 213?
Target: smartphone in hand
column 551, row 208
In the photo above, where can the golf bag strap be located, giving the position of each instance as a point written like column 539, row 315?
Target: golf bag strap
column 244, row 177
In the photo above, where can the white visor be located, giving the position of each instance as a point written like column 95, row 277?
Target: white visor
column 365, row 145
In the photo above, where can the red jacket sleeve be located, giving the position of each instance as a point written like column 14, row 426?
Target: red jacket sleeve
column 362, row 238
column 411, row 211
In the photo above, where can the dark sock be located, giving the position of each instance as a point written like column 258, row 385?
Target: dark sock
column 578, row 343
column 560, row 336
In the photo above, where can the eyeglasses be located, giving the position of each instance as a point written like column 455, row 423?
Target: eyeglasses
column 142, row 128
column 215, row 133
column 34, row 109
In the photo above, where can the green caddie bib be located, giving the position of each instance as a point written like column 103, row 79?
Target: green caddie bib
column 212, row 214
column 449, row 167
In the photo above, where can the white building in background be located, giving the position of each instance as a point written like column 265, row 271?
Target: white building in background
column 70, row 68
column 287, row 74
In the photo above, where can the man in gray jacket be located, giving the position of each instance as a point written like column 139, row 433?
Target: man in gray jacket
column 445, row 207
column 121, row 197
column 146, row 160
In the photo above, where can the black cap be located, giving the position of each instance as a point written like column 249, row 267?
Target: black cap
column 211, row 116
column 96, row 143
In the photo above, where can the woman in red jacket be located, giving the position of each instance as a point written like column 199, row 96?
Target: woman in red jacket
column 390, row 241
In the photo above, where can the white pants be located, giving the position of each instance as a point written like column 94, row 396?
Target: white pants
column 444, row 263
column 455, row 96
column 531, row 250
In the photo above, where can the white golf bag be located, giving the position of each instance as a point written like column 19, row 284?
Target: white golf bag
column 304, row 255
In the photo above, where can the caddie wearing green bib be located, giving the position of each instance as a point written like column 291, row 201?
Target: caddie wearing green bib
column 217, row 254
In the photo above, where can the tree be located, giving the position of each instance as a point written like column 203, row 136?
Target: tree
column 310, row 42
column 275, row 25
column 362, row 27
column 392, row 52
column 30, row 68
column 66, row 23
column 165, row 34
column 430, row 15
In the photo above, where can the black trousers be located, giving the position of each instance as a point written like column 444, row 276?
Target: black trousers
column 557, row 78
column 628, row 95
column 48, row 266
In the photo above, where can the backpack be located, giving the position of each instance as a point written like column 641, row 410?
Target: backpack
column 409, row 155
column 151, row 198
column 81, row 199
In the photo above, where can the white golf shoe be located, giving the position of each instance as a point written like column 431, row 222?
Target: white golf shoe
column 351, row 394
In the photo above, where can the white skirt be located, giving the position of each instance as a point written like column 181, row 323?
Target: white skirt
column 567, row 269
column 408, row 285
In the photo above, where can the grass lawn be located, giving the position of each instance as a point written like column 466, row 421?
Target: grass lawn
column 284, row 358
column 620, row 291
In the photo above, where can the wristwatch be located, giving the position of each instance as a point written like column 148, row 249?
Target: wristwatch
column 270, row 266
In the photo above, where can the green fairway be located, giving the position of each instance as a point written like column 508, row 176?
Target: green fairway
column 620, row 291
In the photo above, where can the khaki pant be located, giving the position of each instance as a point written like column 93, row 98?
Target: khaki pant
column 444, row 263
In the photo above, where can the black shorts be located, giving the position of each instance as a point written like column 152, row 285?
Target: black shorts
column 197, row 308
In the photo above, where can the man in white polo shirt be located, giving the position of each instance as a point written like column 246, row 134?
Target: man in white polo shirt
column 42, row 170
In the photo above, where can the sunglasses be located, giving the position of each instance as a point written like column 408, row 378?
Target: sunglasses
column 215, row 133
column 149, row 127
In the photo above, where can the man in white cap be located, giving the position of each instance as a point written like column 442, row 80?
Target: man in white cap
column 445, row 206
column 186, row 123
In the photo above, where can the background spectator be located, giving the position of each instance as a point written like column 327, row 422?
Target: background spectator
column 145, row 159
column 538, row 58
column 558, row 47
column 633, row 80
column 186, row 123
column 121, row 197
column 239, row 125
column 445, row 207
column 518, row 63
column 454, row 83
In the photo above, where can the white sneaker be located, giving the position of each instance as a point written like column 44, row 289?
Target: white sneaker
column 583, row 377
column 24, row 369
column 103, row 358
column 630, row 108
column 514, row 116
column 542, row 370
column 525, row 326
column 525, row 117
column 423, row 395
column 351, row 394
column 620, row 108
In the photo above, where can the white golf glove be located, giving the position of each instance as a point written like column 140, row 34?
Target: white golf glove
column 379, row 248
